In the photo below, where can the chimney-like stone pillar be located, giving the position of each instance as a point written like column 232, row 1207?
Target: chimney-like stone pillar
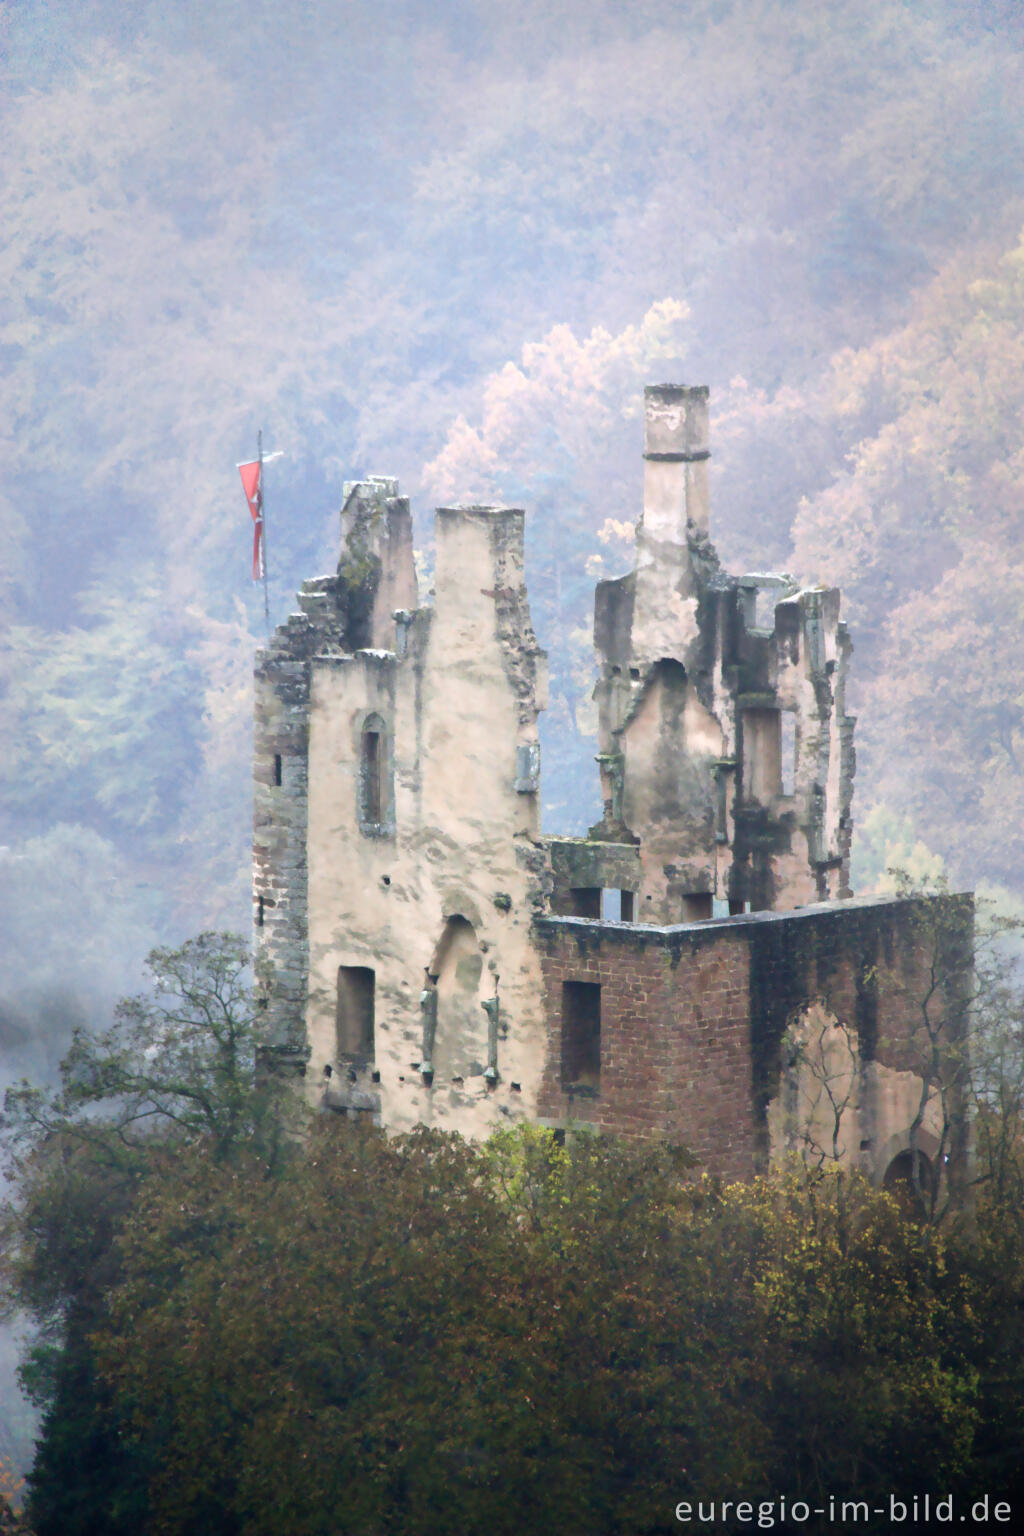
column 676, row 457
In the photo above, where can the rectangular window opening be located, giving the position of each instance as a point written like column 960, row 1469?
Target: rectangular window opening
column 721, row 808
column 259, row 912
column 762, row 754
column 355, row 1013
column 586, row 902
column 764, row 607
column 698, row 907
column 581, row 1035
column 617, row 906
column 278, row 770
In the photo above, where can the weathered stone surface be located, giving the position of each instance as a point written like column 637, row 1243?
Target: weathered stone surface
column 426, row 955
column 696, row 1021
column 418, row 857
column 725, row 746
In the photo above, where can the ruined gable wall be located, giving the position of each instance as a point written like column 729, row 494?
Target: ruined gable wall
column 454, row 879
column 336, row 614
column 725, row 747
column 792, row 825
column 673, row 798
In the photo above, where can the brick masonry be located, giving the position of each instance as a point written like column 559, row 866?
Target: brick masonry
column 693, row 1016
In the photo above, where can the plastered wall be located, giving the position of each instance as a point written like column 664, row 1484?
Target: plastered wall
column 707, row 682
column 431, row 881
column 417, row 931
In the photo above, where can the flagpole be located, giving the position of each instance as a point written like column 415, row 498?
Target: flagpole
column 263, row 518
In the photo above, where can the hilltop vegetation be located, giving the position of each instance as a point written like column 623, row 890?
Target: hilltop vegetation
column 248, row 1322
column 420, row 1334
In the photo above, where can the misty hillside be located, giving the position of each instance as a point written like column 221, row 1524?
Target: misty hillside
column 451, row 243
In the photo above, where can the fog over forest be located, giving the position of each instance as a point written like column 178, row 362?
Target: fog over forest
column 451, row 242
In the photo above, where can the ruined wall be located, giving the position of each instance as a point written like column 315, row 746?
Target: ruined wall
column 697, row 1026
column 582, row 871
column 337, row 615
column 406, row 866
column 427, row 956
column 674, row 1037
column 725, row 748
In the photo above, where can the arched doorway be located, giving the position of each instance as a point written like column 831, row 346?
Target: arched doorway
column 460, row 1043
column 915, row 1195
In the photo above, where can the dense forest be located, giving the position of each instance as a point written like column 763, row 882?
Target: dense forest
column 452, row 243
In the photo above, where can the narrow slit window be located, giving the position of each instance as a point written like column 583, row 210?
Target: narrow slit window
column 375, row 804
column 788, row 752
column 721, row 807
column 581, row 1035
column 371, row 769
column 278, row 770
column 355, row 1022
column 259, row 912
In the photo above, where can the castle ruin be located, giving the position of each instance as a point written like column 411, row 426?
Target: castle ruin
column 694, row 967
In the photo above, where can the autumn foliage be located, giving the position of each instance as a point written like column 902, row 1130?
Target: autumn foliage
column 423, row 1335
column 249, row 1323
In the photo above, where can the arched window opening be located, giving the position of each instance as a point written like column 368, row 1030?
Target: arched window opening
column 375, row 799
column 460, row 1049
column 372, row 757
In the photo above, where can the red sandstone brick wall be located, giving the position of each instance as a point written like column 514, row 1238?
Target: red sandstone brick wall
column 691, row 1020
column 675, row 1055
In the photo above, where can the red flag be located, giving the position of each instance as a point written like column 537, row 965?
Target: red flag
column 253, row 488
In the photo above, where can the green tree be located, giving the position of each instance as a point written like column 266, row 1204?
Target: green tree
column 175, row 1070
column 178, row 1062
column 418, row 1334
